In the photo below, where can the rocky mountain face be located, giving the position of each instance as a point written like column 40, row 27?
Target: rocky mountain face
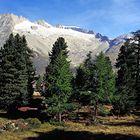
column 115, row 45
column 41, row 36
column 7, row 23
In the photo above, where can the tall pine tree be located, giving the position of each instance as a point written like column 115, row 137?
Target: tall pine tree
column 128, row 78
column 136, row 66
column 9, row 89
column 14, row 80
column 99, row 81
column 58, row 78
column 104, row 80
column 123, row 101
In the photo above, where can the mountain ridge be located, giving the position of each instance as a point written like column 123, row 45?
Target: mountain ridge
column 41, row 35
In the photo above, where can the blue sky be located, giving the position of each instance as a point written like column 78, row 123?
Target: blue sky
column 109, row 17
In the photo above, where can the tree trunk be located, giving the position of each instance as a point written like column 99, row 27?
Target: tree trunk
column 95, row 112
column 77, row 115
column 60, row 117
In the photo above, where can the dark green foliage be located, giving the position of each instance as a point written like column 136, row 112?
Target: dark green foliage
column 136, row 66
column 105, row 82
column 84, row 83
column 84, row 73
column 30, row 67
column 105, row 79
column 58, row 79
column 58, row 46
column 122, row 100
column 128, row 79
column 98, row 78
column 14, row 69
column 95, row 81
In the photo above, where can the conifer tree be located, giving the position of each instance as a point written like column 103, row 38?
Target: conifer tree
column 104, row 80
column 128, row 78
column 58, row 78
column 58, row 46
column 136, row 66
column 9, row 89
column 20, row 65
column 84, row 72
column 99, row 81
column 14, row 73
column 30, row 67
column 123, row 101
column 84, row 81
column 105, row 77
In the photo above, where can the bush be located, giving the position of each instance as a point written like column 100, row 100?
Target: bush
column 21, row 125
column 33, row 122
column 18, row 125
column 104, row 111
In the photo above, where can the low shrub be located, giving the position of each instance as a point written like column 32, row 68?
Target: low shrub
column 104, row 111
column 17, row 125
column 33, row 122
column 20, row 125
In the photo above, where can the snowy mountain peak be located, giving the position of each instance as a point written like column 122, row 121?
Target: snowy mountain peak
column 41, row 36
column 7, row 24
column 43, row 23
column 14, row 19
column 120, row 39
column 86, row 31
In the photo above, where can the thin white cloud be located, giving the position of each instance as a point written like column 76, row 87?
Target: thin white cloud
column 117, row 15
column 119, row 12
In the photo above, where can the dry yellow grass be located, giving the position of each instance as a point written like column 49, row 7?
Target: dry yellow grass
column 111, row 125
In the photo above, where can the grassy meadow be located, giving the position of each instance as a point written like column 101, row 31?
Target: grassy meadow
column 110, row 128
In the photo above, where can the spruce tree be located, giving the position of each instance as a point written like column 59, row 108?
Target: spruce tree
column 9, row 89
column 128, row 78
column 83, row 73
column 83, row 81
column 58, row 78
column 104, row 79
column 136, row 66
column 58, row 46
column 20, row 65
column 14, row 73
column 30, row 67
column 99, row 81
column 125, row 101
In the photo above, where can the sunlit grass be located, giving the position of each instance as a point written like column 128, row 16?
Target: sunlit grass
column 105, row 128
